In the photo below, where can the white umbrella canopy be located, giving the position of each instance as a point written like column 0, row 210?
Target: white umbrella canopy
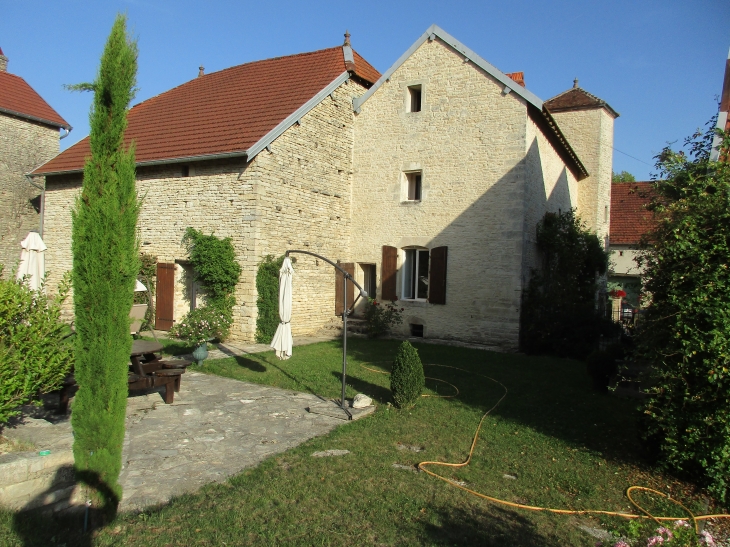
column 32, row 260
column 282, row 341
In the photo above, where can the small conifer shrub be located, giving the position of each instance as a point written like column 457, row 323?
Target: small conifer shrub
column 407, row 380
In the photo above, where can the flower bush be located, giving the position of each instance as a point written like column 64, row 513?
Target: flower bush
column 381, row 318
column 203, row 324
column 681, row 534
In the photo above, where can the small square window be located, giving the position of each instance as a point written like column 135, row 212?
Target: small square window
column 414, row 186
column 414, row 98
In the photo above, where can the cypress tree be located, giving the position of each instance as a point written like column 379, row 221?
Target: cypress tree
column 105, row 265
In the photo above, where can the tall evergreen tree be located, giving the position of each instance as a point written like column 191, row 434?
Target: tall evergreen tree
column 105, row 265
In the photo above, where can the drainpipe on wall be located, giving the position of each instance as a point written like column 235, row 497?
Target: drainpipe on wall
column 43, row 199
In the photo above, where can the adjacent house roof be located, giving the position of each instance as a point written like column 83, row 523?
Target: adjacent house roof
column 723, row 119
column 577, row 99
column 17, row 98
column 629, row 218
column 511, row 84
column 234, row 112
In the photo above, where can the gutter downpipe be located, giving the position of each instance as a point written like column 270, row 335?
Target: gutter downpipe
column 43, row 200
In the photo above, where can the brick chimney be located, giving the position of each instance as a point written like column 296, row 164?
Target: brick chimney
column 3, row 61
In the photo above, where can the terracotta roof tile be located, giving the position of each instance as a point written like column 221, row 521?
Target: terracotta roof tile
column 629, row 217
column 518, row 77
column 223, row 112
column 577, row 98
column 18, row 98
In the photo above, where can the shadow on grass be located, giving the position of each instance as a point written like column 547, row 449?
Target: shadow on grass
column 379, row 393
column 493, row 528
column 250, row 364
column 550, row 395
column 40, row 527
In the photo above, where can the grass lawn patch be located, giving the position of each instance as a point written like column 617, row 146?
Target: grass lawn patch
column 553, row 442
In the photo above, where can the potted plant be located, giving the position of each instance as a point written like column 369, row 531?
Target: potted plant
column 201, row 326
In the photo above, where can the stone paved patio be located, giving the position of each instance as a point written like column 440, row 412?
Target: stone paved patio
column 215, row 428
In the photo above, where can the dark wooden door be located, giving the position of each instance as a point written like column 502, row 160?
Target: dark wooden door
column 165, row 295
column 349, row 267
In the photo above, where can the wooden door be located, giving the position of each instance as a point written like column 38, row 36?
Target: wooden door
column 165, row 295
column 349, row 268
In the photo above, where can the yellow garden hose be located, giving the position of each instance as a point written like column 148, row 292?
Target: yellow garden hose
column 646, row 514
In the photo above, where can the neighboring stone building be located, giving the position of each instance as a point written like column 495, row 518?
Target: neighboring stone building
column 426, row 182
column 29, row 136
column 629, row 222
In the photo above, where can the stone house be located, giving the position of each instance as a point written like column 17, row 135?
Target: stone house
column 426, row 182
column 29, row 136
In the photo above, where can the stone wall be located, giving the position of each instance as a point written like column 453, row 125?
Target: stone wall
column 469, row 143
column 24, row 145
column 295, row 196
column 590, row 133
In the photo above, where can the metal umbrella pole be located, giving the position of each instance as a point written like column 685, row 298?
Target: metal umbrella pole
column 345, row 313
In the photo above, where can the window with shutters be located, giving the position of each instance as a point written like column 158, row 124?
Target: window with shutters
column 415, row 274
column 422, row 274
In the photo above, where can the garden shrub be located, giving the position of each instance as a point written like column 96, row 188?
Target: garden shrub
column 602, row 365
column 267, row 286
column 685, row 330
column 35, row 351
column 381, row 318
column 216, row 268
column 558, row 315
column 407, row 379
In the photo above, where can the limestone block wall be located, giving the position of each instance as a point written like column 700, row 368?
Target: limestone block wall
column 468, row 141
column 590, row 133
column 296, row 196
column 549, row 186
column 24, row 145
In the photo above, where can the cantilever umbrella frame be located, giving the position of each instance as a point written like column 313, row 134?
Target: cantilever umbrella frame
column 345, row 313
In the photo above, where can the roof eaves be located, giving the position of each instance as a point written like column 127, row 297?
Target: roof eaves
column 433, row 32
column 296, row 116
column 35, row 118
column 542, row 117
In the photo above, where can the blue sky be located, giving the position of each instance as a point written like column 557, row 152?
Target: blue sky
column 658, row 63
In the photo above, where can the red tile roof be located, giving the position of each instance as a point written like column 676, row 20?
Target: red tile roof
column 224, row 112
column 629, row 217
column 577, row 98
column 19, row 99
column 518, row 77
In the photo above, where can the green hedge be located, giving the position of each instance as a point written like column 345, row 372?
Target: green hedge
column 267, row 285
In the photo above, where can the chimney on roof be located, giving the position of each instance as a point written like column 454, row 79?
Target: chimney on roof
column 3, row 61
column 347, row 39
column 575, row 83
column 201, row 71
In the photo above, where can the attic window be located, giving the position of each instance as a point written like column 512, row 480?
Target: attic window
column 414, row 98
column 185, row 170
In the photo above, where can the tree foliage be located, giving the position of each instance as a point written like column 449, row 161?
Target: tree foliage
column 685, row 332
column 267, row 303
column 559, row 306
column 623, row 176
column 407, row 379
column 35, row 351
column 105, row 267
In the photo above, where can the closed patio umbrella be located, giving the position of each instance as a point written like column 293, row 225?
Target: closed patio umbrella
column 282, row 341
column 32, row 260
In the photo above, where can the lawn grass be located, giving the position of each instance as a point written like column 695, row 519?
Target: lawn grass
column 567, row 446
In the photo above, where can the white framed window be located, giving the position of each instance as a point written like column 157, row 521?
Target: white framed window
column 413, row 186
column 415, row 274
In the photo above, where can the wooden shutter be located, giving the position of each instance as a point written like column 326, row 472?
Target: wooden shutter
column 437, row 276
column 388, row 269
column 165, row 295
column 349, row 268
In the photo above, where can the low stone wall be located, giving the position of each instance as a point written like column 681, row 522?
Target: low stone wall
column 28, row 480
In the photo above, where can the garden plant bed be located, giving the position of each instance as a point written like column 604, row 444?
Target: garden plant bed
column 553, row 442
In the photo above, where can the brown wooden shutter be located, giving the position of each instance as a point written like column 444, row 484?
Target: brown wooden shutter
column 388, row 270
column 165, row 295
column 437, row 276
column 349, row 268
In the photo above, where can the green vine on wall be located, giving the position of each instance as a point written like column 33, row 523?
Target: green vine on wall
column 148, row 277
column 267, row 285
